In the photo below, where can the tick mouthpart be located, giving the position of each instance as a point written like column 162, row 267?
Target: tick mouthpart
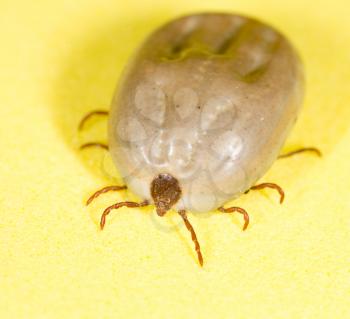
column 161, row 208
column 165, row 191
column 163, row 205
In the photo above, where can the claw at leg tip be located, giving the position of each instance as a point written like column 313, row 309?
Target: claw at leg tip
column 282, row 199
column 200, row 259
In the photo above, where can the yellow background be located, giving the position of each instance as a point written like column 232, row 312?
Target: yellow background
column 60, row 59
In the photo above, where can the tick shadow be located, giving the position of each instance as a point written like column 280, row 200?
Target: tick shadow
column 324, row 117
column 87, row 82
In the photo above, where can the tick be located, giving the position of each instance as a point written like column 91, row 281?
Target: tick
column 201, row 113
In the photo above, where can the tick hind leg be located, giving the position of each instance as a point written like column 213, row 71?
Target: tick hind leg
column 237, row 210
column 289, row 154
column 94, row 144
column 270, row 185
column 90, row 115
column 82, row 125
column 314, row 150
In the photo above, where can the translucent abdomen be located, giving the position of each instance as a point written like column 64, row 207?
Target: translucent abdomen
column 209, row 99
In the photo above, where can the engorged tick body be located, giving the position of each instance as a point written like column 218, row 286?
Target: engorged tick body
column 202, row 111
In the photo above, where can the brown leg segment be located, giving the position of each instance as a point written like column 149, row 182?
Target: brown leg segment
column 104, row 190
column 302, row 150
column 238, row 210
column 189, row 227
column 271, row 185
column 93, row 144
column 89, row 115
column 118, row 205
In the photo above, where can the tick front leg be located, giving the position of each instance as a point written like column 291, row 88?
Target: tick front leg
column 238, row 210
column 104, row 190
column 118, row 205
column 189, row 227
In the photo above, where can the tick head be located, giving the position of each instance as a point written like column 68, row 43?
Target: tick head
column 165, row 191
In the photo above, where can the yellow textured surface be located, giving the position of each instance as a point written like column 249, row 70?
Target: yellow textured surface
column 59, row 59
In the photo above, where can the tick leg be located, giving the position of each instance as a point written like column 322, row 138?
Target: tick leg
column 189, row 227
column 238, row 210
column 94, row 144
column 118, row 205
column 271, row 185
column 104, row 190
column 89, row 115
column 302, row 150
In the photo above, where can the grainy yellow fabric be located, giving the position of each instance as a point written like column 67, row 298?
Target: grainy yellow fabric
column 60, row 59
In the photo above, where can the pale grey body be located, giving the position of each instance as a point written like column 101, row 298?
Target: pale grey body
column 209, row 99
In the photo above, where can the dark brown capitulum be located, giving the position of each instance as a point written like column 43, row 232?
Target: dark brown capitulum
column 165, row 191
